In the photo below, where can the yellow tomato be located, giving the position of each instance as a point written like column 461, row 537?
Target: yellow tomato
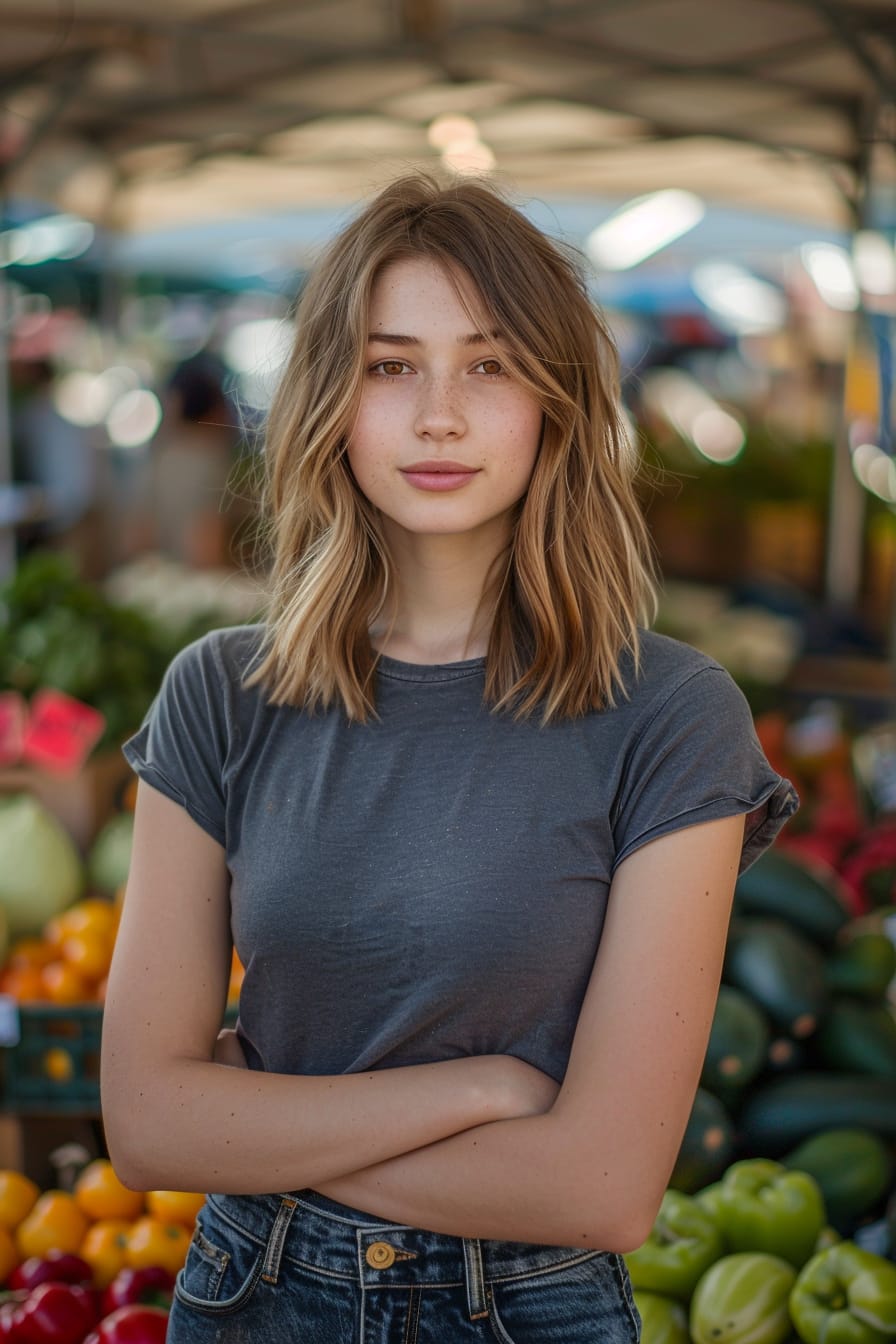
column 63, row 984
column 105, row 1249
column 9, row 1254
column 89, row 952
column 54, row 1224
column 30, row 952
column 174, row 1206
column 58, row 1064
column 154, row 1242
column 92, row 915
column 100, row 1194
column 18, row 1196
column 24, row 983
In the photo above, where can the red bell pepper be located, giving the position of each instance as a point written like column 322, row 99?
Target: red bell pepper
column 8, row 1309
column 131, row 1325
column 151, row 1286
column 54, row 1267
column 55, row 1313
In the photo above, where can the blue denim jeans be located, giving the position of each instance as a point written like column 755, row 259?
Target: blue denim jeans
column 302, row 1269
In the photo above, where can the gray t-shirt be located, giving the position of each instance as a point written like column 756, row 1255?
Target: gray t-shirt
column 434, row 884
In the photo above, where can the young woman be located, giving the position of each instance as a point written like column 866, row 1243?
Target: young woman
column 472, row 827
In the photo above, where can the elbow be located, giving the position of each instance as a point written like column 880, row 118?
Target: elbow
column 628, row 1237
column 127, row 1130
column 125, row 1162
column 633, row 1222
column 619, row 1212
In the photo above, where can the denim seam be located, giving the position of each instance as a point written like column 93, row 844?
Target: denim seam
column 217, row 1307
column 477, row 1304
column 497, row 1326
column 231, row 1222
column 625, row 1292
column 319, row 1269
column 551, row 1268
column 276, row 1239
column 353, row 1222
column 412, row 1320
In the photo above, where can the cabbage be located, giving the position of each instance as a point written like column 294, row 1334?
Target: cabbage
column 110, row 855
column 41, row 872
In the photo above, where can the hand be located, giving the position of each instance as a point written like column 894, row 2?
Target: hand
column 228, row 1050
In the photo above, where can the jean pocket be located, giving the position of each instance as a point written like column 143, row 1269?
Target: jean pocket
column 222, row 1267
column 587, row 1302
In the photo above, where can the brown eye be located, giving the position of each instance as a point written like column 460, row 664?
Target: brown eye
column 492, row 367
column 391, row 367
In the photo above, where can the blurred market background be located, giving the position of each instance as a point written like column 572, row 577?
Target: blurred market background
column 727, row 169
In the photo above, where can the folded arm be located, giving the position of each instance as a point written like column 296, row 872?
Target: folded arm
column 592, row 1170
column 176, row 1119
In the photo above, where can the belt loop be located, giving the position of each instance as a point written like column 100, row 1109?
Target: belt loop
column 476, row 1298
column 274, row 1251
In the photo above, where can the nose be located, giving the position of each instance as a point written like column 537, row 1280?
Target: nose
column 440, row 413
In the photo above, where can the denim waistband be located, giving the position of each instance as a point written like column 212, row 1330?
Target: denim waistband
column 317, row 1233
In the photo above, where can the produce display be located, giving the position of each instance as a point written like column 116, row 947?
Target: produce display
column 780, row 1220
column 803, row 1040
column 94, row 1265
column 752, row 1259
column 779, row 1224
column 110, row 648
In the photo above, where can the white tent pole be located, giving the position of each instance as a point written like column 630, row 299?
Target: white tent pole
column 846, row 519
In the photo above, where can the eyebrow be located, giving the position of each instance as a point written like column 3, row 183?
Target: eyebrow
column 392, row 338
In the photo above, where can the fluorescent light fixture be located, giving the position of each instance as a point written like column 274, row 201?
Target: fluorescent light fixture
column 469, row 159
column 831, row 272
column 134, row 418
column 451, row 130
column 85, row 398
column 875, row 470
column 260, row 345
column 875, row 263
column 715, row 433
column 747, row 305
column 643, row 227
column 55, row 238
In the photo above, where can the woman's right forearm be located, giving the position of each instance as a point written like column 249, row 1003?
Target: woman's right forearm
column 190, row 1124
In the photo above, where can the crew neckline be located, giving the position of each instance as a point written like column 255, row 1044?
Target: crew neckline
column 402, row 671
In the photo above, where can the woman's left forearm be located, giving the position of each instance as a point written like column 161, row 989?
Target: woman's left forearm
column 513, row 1180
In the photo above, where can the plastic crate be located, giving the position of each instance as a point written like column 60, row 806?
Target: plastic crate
column 55, row 1065
column 54, row 1068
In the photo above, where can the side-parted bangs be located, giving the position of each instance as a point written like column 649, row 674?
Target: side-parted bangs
column 579, row 575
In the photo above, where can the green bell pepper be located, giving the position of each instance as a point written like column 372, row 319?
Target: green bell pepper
column 845, row 1295
column 663, row 1320
column 763, row 1206
column 708, row 1199
column 742, row 1299
column 828, row 1236
column 684, row 1241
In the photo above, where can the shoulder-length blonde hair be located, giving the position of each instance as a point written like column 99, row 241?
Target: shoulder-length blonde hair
column 579, row 574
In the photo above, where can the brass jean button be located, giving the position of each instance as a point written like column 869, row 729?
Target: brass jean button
column 380, row 1255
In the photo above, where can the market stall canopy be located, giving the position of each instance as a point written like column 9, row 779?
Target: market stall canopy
column 188, row 109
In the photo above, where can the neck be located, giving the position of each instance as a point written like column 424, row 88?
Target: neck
column 442, row 603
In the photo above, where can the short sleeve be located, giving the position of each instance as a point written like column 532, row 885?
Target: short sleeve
column 181, row 745
column 696, row 759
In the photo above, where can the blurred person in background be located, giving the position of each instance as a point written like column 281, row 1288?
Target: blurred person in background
column 188, row 517
column 60, row 459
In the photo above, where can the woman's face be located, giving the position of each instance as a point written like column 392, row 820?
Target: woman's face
column 437, row 396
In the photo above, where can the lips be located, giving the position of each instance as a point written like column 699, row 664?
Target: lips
column 439, row 475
